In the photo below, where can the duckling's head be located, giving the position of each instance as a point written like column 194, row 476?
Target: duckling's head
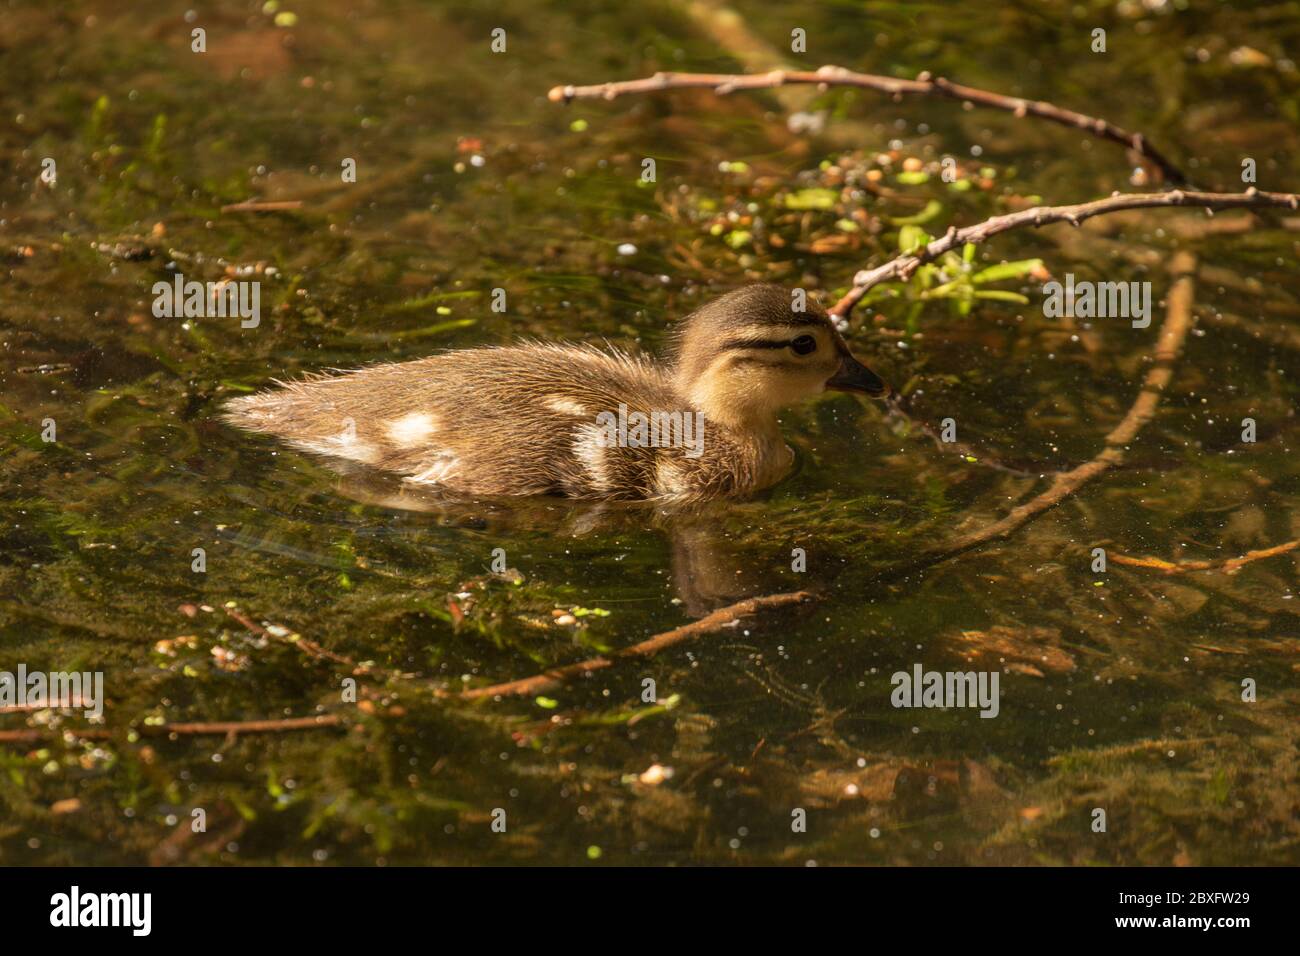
column 748, row 354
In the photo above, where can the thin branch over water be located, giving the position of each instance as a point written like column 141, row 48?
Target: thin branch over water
column 923, row 85
column 902, row 267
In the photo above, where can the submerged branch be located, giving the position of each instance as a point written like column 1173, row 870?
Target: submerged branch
column 227, row 727
column 902, row 267
column 254, row 205
column 923, row 85
column 1230, row 566
column 310, row 648
column 718, row 620
column 247, row 726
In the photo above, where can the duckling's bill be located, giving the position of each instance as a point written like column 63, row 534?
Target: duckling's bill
column 853, row 376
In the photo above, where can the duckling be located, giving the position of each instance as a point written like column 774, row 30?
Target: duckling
column 576, row 420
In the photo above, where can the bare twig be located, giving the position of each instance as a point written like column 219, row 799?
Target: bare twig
column 254, row 205
column 246, row 726
column 163, row 730
column 923, row 85
column 310, row 648
column 901, row 268
column 1230, row 566
column 722, row 618
column 76, row 703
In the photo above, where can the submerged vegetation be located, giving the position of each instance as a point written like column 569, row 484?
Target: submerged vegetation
column 349, row 613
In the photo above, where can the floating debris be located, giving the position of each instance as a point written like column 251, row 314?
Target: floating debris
column 655, row 774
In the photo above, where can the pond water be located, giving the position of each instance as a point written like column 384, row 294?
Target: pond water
column 773, row 741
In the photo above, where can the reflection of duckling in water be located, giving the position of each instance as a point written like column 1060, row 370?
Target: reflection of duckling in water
column 540, row 418
column 708, row 567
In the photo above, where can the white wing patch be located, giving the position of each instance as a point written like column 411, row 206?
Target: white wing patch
column 566, row 406
column 669, row 479
column 589, row 449
column 411, row 429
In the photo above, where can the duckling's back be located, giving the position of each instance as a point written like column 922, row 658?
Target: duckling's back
column 529, row 419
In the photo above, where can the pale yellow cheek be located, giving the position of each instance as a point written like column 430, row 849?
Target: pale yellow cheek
column 789, row 386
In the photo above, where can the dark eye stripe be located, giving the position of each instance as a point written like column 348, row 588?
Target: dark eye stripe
column 758, row 344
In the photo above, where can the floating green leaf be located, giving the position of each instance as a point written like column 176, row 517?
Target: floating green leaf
column 1007, row 270
column 815, row 198
column 1000, row 296
column 932, row 209
column 911, row 238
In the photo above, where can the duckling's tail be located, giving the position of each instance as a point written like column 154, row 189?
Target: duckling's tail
column 296, row 413
column 258, row 413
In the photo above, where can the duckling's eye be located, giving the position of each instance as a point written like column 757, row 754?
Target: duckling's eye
column 804, row 345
